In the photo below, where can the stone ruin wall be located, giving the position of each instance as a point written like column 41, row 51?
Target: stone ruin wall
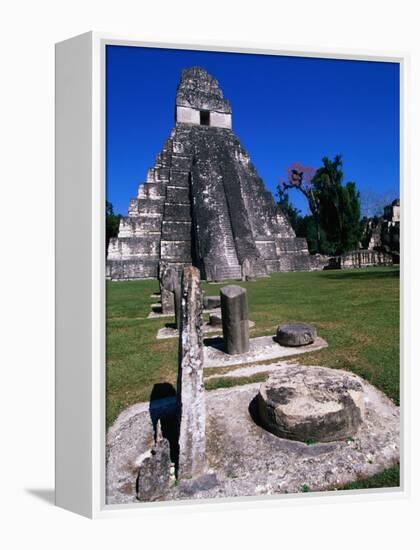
column 382, row 234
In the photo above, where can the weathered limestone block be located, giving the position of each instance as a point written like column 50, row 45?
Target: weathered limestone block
column 246, row 269
column 250, row 270
column 151, row 191
column 178, row 305
column 211, row 302
column 131, row 269
column 133, row 207
column 154, row 476
column 296, row 334
column 178, row 195
column 215, row 320
column 169, row 281
column 200, row 91
column 181, row 163
column 267, row 249
column 311, row 403
column 179, row 178
column 177, row 212
column 234, row 305
column 190, row 391
column 176, row 231
column 124, row 248
column 175, row 251
column 167, row 301
column 139, row 227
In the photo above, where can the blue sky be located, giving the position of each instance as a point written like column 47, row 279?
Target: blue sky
column 285, row 109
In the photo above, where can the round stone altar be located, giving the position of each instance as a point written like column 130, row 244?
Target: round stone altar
column 311, row 404
column 296, row 334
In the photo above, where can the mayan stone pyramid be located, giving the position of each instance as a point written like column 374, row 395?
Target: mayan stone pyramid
column 203, row 202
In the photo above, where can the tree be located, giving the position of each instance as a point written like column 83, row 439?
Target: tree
column 373, row 203
column 300, row 177
column 335, row 207
column 112, row 223
column 291, row 213
column 315, row 236
column 339, row 206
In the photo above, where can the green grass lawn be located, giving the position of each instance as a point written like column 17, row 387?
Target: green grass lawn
column 356, row 311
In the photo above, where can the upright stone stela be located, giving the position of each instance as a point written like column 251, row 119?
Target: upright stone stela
column 203, row 203
column 192, row 461
column 235, row 322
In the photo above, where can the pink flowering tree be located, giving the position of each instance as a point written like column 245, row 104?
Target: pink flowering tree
column 301, row 177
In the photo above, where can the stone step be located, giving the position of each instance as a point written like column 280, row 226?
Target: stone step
column 229, row 272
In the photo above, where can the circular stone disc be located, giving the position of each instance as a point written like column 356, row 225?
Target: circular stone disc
column 311, row 404
column 296, row 334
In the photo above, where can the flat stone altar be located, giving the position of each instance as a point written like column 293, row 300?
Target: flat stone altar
column 172, row 332
column 156, row 312
column 247, row 460
column 261, row 348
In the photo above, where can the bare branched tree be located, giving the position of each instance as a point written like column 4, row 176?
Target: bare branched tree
column 300, row 177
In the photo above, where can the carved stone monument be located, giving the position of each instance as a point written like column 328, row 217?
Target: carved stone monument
column 203, row 202
column 169, row 281
column 234, row 305
column 211, row 302
column 190, row 391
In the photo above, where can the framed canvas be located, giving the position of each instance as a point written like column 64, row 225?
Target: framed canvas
column 229, row 227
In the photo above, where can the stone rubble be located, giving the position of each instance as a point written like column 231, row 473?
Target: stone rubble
column 154, row 470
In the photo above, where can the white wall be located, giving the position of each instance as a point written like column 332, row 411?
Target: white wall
column 187, row 115
column 28, row 33
column 221, row 120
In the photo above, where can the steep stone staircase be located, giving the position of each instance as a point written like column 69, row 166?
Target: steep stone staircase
column 230, row 269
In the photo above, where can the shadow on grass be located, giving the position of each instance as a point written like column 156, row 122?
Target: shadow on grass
column 165, row 412
column 216, row 343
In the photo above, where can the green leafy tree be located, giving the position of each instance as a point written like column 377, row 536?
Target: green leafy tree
column 112, row 223
column 339, row 206
column 314, row 235
column 334, row 225
column 300, row 177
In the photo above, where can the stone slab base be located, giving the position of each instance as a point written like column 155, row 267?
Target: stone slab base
column 250, row 370
column 261, row 349
column 245, row 459
column 168, row 332
column 157, row 307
